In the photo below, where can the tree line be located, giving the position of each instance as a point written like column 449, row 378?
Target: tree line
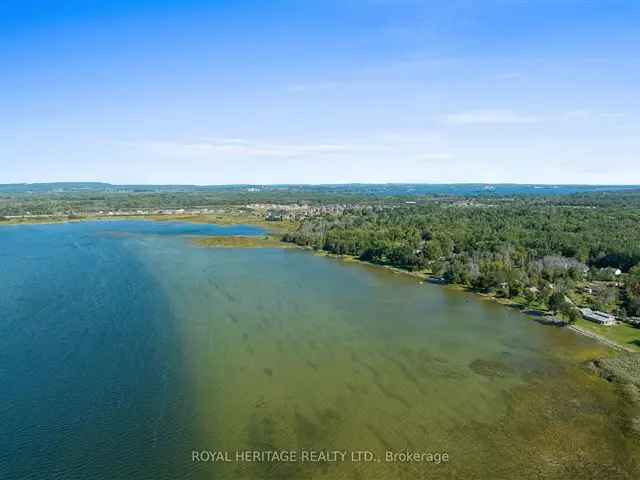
column 541, row 252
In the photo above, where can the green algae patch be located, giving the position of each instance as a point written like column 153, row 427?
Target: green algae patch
column 239, row 242
column 490, row 368
column 624, row 372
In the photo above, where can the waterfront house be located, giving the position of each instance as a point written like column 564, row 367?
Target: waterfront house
column 601, row 318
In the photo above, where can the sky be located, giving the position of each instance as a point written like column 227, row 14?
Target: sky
column 306, row 91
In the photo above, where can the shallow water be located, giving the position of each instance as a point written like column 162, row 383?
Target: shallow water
column 123, row 348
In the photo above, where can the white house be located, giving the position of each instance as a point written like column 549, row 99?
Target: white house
column 598, row 317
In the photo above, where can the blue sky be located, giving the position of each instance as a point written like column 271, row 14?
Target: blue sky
column 212, row 92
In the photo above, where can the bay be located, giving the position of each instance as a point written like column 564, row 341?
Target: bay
column 124, row 348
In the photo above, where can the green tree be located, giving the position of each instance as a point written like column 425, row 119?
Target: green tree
column 433, row 250
column 569, row 312
column 556, row 302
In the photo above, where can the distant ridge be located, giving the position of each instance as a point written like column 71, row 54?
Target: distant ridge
column 393, row 189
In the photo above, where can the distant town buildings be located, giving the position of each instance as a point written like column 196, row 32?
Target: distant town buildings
column 279, row 212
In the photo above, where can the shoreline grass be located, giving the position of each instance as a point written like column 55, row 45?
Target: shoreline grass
column 238, row 241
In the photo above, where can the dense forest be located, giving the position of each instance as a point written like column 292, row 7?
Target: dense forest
column 544, row 252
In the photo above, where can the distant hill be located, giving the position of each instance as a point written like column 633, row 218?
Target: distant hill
column 390, row 189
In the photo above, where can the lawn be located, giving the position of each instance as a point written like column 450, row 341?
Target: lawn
column 623, row 334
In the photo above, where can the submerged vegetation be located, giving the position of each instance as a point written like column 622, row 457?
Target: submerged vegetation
column 546, row 255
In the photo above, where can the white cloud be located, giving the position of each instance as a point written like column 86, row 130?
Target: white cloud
column 383, row 146
column 240, row 147
column 489, row 117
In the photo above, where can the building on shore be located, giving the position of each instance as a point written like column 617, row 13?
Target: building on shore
column 598, row 317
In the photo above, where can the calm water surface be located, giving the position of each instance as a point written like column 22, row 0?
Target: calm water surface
column 123, row 347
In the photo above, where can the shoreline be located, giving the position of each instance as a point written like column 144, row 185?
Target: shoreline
column 609, row 343
column 536, row 315
column 273, row 232
column 232, row 217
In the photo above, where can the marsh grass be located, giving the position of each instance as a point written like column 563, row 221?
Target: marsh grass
column 240, row 242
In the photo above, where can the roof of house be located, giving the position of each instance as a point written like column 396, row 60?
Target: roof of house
column 602, row 316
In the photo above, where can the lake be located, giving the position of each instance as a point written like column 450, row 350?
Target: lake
column 124, row 348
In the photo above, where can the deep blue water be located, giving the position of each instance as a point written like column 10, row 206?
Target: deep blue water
column 88, row 362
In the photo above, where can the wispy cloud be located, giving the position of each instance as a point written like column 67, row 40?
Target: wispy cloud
column 243, row 148
column 489, row 117
column 510, row 117
column 587, row 115
column 388, row 146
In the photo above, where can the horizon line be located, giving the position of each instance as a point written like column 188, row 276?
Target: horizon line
column 70, row 182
